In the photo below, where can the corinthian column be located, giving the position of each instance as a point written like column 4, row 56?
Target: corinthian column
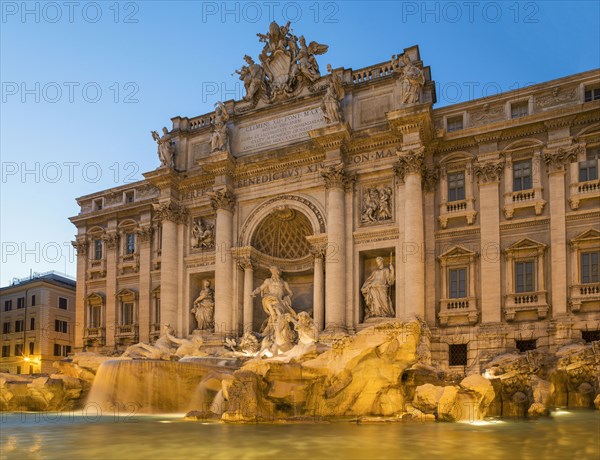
column 318, row 251
column 248, row 305
column 489, row 174
column 335, row 263
column 81, row 244
column 556, row 161
column 409, row 170
column 170, row 214
column 223, row 202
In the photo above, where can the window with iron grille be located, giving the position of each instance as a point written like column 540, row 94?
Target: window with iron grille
column 590, row 336
column 526, row 345
column 456, row 186
column 457, row 355
column 522, row 175
column 589, row 267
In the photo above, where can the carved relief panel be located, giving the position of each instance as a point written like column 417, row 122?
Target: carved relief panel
column 377, row 203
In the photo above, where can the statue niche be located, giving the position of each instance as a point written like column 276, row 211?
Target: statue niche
column 377, row 290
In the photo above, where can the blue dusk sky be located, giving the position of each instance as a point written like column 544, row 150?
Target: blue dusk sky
column 84, row 83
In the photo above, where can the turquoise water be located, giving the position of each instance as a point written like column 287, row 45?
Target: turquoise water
column 568, row 434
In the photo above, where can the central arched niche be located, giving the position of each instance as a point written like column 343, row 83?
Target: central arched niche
column 280, row 239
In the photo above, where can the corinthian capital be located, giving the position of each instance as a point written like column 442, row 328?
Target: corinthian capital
column 489, row 171
column 222, row 199
column 81, row 245
column 557, row 159
column 430, row 178
column 144, row 233
column 335, row 176
column 170, row 211
column 111, row 239
column 410, row 162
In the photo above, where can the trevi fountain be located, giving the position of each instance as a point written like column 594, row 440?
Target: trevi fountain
column 285, row 354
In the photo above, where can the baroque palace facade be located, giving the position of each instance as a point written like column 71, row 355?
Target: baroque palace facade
column 483, row 216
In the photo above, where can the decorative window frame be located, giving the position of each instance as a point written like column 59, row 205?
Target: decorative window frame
column 588, row 190
column 581, row 293
column 516, row 302
column 509, row 104
column 95, row 334
column 96, row 267
column 460, row 209
column 127, row 192
column 127, row 332
column 128, row 262
column 458, row 310
column 532, row 198
column 462, row 114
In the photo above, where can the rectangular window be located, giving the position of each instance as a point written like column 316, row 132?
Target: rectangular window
column 95, row 318
column 5, row 351
column 524, row 276
column 526, row 345
column 18, row 349
column 6, row 328
column 33, row 300
column 21, row 302
column 19, row 325
column 456, row 186
column 592, row 94
column 7, row 305
column 522, row 176
column 458, row 283
column 31, row 347
column 18, row 369
column 519, row 109
column 62, row 303
column 457, row 355
column 129, row 196
column 61, row 350
column 589, row 267
column 98, row 249
column 61, row 326
column 31, row 324
column 454, row 123
column 590, row 336
column 588, row 169
column 98, row 204
column 127, row 316
column 130, row 243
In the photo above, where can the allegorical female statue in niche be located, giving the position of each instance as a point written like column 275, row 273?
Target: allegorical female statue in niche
column 376, row 291
column 204, row 307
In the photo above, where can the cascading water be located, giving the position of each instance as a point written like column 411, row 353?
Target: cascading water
column 150, row 386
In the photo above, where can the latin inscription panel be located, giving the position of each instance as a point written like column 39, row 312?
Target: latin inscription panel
column 277, row 131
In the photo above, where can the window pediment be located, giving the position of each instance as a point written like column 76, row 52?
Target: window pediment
column 589, row 238
column 525, row 247
column 127, row 294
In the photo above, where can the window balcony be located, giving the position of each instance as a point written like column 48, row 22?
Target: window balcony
column 94, row 336
column 524, row 302
column 580, row 191
column 582, row 293
column 522, row 199
column 458, row 311
column 457, row 209
column 129, row 263
column 97, row 268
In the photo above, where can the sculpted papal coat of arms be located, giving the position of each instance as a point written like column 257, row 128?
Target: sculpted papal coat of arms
column 287, row 64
